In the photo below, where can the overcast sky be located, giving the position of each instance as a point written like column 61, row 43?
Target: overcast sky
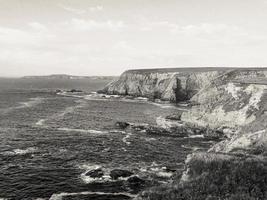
column 106, row 37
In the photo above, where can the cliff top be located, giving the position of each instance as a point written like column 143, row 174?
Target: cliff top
column 192, row 69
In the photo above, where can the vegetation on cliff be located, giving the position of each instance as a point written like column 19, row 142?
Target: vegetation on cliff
column 236, row 168
column 216, row 176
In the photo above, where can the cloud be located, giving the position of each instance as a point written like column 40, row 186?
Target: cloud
column 38, row 26
column 124, row 46
column 95, row 8
column 89, row 25
column 73, row 10
column 210, row 29
column 78, row 11
column 18, row 37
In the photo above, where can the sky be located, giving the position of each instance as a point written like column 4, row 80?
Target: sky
column 107, row 37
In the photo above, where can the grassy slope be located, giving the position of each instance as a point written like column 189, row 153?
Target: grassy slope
column 217, row 177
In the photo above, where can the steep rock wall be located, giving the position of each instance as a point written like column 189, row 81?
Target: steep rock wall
column 232, row 100
column 236, row 104
column 170, row 84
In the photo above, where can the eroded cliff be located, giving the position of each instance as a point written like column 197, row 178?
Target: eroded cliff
column 174, row 85
column 234, row 103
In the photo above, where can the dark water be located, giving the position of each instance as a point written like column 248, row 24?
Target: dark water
column 49, row 141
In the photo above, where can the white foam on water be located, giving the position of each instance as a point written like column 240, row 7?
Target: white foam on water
column 124, row 139
column 40, row 122
column 82, row 130
column 117, row 131
column 61, row 114
column 33, row 102
column 191, row 148
column 62, row 195
column 90, row 167
column 67, row 94
column 150, row 139
column 141, row 98
column 164, row 174
column 164, row 123
column 196, row 136
column 159, row 171
column 20, row 151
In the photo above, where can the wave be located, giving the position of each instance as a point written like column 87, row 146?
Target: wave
column 159, row 171
column 196, row 136
column 89, row 167
column 82, row 130
column 150, row 139
column 128, row 135
column 20, row 151
column 164, row 123
column 62, row 195
column 195, row 148
column 41, row 122
column 33, row 102
column 27, row 104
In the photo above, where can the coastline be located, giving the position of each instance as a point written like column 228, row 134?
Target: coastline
column 223, row 108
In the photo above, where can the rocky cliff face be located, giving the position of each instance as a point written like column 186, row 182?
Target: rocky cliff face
column 228, row 100
column 166, row 84
column 233, row 102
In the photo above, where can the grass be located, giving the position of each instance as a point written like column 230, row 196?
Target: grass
column 217, row 177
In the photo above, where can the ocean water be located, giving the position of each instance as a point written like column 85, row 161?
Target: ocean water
column 49, row 141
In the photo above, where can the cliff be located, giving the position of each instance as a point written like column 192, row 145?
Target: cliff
column 235, row 103
column 173, row 84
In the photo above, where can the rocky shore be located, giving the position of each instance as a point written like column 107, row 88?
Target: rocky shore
column 226, row 104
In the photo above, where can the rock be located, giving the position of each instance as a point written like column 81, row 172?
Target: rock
column 74, row 90
column 170, row 169
column 153, row 130
column 116, row 173
column 122, row 125
column 135, row 180
column 163, row 83
column 96, row 173
column 175, row 116
column 58, row 91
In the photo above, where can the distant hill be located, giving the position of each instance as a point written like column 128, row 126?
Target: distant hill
column 65, row 76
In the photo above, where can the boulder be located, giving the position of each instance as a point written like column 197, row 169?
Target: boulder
column 96, row 173
column 122, row 125
column 116, row 173
column 135, row 182
column 175, row 116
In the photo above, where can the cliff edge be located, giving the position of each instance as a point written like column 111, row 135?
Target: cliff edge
column 231, row 101
column 173, row 84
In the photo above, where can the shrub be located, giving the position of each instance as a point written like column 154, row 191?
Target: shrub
column 237, row 178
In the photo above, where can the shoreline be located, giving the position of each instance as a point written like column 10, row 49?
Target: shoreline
column 224, row 107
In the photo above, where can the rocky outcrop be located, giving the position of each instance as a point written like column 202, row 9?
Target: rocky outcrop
column 235, row 104
column 174, row 85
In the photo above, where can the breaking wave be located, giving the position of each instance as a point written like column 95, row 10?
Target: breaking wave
column 62, row 195
column 124, row 139
column 28, row 104
column 164, row 123
column 20, row 151
column 82, row 130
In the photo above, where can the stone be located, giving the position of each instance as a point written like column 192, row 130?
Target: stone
column 117, row 173
column 96, row 173
column 135, row 181
column 122, row 125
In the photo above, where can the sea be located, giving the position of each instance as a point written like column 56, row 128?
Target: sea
column 50, row 139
